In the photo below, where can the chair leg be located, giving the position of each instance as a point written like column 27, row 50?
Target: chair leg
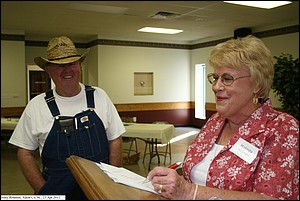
column 131, row 142
column 156, row 151
column 136, row 147
column 168, row 151
column 145, row 151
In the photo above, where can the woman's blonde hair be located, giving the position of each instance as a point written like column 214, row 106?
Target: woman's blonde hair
column 247, row 53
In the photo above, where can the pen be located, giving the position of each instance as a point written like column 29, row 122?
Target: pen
column 175, row 165
column 146, row 180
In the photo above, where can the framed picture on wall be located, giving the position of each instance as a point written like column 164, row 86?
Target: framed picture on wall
column 143, row 83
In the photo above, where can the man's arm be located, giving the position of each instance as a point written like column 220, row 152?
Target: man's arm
column 30, row 169
column 115, row 152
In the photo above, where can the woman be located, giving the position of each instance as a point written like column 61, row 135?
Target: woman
column 246, row 150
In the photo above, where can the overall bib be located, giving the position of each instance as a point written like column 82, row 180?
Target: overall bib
column 83, row 135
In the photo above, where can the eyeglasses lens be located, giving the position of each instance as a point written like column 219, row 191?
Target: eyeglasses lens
column 226, row 79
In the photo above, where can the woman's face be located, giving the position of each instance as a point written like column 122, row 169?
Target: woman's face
column 234, row 101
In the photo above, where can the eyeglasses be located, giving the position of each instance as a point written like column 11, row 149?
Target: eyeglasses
column 226, row 78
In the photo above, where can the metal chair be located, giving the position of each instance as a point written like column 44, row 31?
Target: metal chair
column 133, row 142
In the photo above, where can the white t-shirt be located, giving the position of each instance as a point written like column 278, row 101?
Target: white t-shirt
column 36, row 121
column 199, row 171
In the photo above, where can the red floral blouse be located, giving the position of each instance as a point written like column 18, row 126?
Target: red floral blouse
column 274, row 171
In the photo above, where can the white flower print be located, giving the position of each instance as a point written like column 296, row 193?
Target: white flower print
column 233, row 172
column 266, row 174
column 288, row 161
column 290, row 142
column 256, row 142
column 244, row 130
column 219, row 182
column 257, row 114
column 288, row 189
column 222, row 161
column 296, row 178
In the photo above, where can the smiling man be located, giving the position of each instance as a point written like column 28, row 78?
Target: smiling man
column 71, row 119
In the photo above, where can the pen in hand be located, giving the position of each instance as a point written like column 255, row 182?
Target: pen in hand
column 146, row 180
column 175, row 165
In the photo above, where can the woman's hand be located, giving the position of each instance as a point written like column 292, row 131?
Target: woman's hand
column 169, row 184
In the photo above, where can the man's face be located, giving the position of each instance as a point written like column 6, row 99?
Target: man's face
column 64, row 75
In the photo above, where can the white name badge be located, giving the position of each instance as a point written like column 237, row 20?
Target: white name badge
column 244, row 150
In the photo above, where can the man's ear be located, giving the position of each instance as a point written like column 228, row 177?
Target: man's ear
column 46, row 69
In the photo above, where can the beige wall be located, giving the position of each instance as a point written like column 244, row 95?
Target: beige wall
column 170, row 67
column 13, row 73
column 112, row 68
column 90, row 67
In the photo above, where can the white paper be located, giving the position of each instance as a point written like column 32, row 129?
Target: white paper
column 127, row 177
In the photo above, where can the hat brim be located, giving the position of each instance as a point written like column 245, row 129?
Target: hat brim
column 42, row 62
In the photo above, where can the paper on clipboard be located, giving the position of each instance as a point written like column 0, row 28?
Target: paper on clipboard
column 127, row 177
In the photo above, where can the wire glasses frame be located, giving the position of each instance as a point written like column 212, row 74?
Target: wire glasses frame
column 226, row 78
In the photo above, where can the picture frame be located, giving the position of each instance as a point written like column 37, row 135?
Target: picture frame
column 143, row 83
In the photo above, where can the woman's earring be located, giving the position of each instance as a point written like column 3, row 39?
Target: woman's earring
column 255, row 99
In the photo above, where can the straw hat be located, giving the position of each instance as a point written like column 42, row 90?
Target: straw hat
column 60, row 50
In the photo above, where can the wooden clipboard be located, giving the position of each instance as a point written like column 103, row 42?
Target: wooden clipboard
column 98, row 186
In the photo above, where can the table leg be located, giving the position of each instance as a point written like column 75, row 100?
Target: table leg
column 156, row 151
column 152, row 154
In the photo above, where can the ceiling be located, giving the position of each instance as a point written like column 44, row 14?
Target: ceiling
column 84, row 21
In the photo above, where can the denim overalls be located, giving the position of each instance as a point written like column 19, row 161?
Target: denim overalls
column 82, row 135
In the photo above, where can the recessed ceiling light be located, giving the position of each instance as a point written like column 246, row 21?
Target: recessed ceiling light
column 160, row 30
column 260, row 4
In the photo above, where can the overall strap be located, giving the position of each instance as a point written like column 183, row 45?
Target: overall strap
column 90, row 96
column 50, row 100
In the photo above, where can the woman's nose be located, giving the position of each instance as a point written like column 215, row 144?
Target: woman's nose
column 218, row 85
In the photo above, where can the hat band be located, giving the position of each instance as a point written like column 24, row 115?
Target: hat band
column 65, row 57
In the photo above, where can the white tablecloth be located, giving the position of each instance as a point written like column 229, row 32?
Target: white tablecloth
column 9, row 123
column 163, row 132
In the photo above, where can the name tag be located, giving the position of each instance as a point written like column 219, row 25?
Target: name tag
column 244, row 150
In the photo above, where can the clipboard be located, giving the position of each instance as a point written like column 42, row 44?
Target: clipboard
column 98, row 186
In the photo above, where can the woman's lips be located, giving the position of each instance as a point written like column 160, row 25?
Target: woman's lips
column 220, row 98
